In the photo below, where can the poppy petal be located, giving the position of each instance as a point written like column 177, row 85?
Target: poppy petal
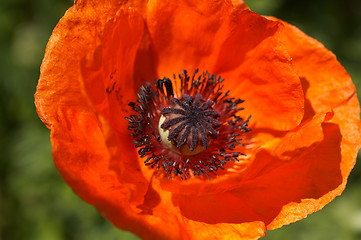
column 59, row 83
column 240, row 45
column 280, row 181
column 83, row 36
column 88, row 171
column 106, row 76
column 257, row 68
column 326, row 82
column 239, row 4
column 86, row 149
column 178, row 42
column 220, row 231
column 168, row 212
column 326, row 85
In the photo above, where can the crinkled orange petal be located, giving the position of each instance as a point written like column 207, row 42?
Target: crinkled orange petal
column 326, row 82
column 239, row 4
column 276, row 178
column 107, row 75
column 240, row 45
column 187, row 34
column 83, row 157
column 59, row 83
column 257, row 68
column 77, row 39
column 185, row 228
column 86, row 149
column 74, row 39
column 326, row 85
column 222, row 231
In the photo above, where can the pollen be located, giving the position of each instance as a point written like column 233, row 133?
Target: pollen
column 189, row 130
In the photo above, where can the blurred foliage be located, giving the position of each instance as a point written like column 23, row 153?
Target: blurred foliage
column 36, row 204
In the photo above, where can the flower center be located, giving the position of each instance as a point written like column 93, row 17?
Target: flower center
column 189, row 124
column 191, row 130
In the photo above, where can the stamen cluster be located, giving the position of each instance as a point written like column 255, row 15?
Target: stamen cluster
column 198, row 111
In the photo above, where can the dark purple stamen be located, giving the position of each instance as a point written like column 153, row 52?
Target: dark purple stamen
column 204, row 115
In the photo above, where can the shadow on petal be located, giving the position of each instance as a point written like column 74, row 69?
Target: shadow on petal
column 151, row 200
column 309, row 111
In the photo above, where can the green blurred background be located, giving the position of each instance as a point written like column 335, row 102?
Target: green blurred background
column 36, row 204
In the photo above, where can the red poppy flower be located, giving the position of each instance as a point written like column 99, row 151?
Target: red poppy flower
column 303, row 106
